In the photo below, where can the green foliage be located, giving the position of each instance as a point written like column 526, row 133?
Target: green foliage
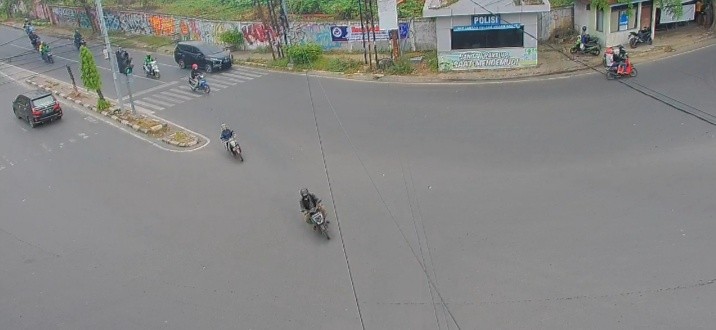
column 431, row 60
column 102, row 105
column 304, row 6
column 304, row 53
column 90, row 75
column 411, row 8
column 232, row 37
column 673, row 7
column 562, row 3
column 401, row 66
column 345, row 65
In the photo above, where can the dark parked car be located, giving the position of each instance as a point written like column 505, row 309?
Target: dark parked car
column 208, row 56
column 37, row 107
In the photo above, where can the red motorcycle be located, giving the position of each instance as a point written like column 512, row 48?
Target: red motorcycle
column 622, row 69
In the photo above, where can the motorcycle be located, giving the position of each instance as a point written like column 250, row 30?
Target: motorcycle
column 151, row 69
column 235, row 149
column 47, row 57
column 641, row 37
column 319, row 222
column 35, row 43
column 80, row 42
column 590, row 47
column 627, row 70
column 201, row 85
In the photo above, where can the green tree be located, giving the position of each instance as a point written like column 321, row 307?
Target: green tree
column 90, row 74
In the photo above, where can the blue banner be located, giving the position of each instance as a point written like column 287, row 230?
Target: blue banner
column 339, row 33
column 487, row 27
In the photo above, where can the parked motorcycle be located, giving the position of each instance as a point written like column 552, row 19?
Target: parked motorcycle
column 47, row 57
column 641, row 37
column 235, row 149
column 151, row 69
column 202, row 85
column 623, row 69
column 319, row 222
column 591, row 46
column 80, row 42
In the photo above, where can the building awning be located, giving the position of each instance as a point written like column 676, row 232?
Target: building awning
column 446, row 8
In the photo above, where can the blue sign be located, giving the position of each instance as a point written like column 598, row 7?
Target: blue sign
column 487, row 27
column 339, row 33
column 623, row 18
column 482, row 20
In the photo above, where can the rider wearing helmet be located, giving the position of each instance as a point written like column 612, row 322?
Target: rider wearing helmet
column 44, row 49
column 194, row 74
column 309, row 201
column 148, row 63
column 226, row 134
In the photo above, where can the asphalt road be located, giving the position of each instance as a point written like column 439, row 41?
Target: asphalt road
column 575, row 203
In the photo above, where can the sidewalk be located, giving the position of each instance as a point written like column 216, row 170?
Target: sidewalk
column 554, row 58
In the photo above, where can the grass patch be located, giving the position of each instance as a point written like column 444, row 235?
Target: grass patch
column 145, row 42
column 182, row 137
column 401, row 66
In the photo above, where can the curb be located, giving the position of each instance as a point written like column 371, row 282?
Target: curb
column 193, row 140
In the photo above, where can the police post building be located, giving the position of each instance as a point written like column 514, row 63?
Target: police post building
column 485, row 34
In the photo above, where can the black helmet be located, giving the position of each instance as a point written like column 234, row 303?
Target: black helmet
column 304, row 192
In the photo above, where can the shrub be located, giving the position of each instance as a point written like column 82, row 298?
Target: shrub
column 401, row 66
column 304, row 53
column 343, row 65
column 102, row 105
column 232, row 37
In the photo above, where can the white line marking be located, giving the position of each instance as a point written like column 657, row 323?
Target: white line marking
column 170, row 93
column 167, row 98
column 149, row 90
column 155, row 107
column 237, row 76
column 248, row 73
column 216, row 84
column 183, row 92
column 152, row 100
column 234, row 80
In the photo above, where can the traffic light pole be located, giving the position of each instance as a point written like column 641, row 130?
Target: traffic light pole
column 112, row 63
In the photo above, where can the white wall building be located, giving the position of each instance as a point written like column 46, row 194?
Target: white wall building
column 485, row 34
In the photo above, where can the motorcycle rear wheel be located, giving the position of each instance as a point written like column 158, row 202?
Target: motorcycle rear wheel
column 595, row 51
column 633, row 72
column 573, row 50
column 633, row 42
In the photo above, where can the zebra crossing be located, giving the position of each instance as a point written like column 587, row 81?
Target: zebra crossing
column 180, row 92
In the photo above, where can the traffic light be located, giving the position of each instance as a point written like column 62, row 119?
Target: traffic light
column 120, row 62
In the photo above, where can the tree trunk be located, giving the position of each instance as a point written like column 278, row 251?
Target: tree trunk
column 88, row 11
column 99, row 93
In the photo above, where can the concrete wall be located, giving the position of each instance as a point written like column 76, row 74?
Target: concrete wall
column 557, row 21
column 421, row 35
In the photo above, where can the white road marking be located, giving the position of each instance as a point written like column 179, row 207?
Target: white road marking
column 156, row 107
column 171, row 93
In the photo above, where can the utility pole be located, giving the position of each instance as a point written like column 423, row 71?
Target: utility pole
column 129, row 91
column 362, row 28
column 112, row 65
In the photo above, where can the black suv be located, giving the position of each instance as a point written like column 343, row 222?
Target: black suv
column 37, row 107
column 207, row 56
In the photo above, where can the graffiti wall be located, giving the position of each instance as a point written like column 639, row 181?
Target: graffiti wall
column 421, row 32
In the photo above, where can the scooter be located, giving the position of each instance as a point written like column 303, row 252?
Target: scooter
column 590, row 47
column 47, row 57
column 152, row 69
column 235, row 149
column 621, row 70
column 201, row 85
column 641, row 37
column 319, row 222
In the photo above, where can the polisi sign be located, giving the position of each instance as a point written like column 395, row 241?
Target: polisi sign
column 482, row 20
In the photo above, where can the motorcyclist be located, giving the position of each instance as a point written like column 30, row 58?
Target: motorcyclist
column 194, row 75
column 44, row 49
column 34, row 39
column 148, row 63
column 309, row 201
column 77, row 36
column 27, row 26
column 620, row 56
column 226, row 135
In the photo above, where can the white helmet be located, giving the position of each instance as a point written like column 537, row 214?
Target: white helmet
column 224, row 126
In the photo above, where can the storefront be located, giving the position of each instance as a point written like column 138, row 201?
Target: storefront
column 613, row 24
column 480, row 34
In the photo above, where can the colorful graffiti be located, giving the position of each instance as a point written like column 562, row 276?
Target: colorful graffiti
column 185, row 28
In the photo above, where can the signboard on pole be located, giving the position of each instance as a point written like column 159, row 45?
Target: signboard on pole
column 388, row 14
column 355, row 33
